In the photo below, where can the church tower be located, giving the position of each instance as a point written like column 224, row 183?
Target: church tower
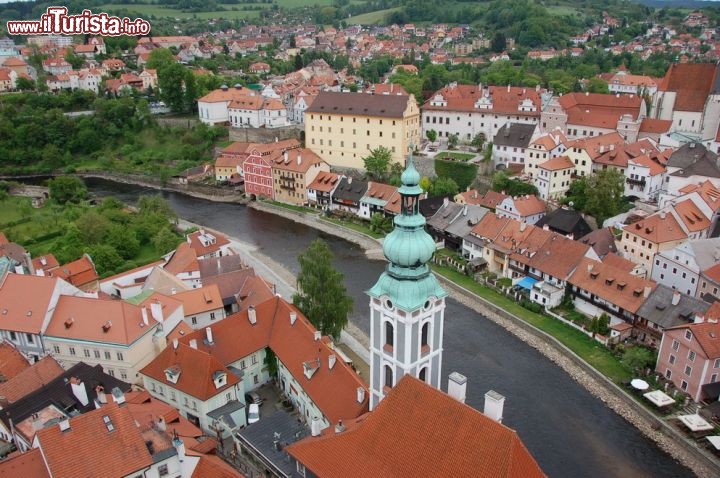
column 407, row 304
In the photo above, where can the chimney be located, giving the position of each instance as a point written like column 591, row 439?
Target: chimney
column 37, row 424
column 293, row 317
column 193, row 343
column 676, row 298
column 64, row 425
column 118, row 395
column 173, row 291
column 663, row 215
column 589, row 267
column 299, row 159
column 457, row 384
column 339, row 428
column 179, row 447
column 446, row 201
column 360, row 394
column 315, row 427
column 646, row 292
column 175, row 343
column 252, row 315
column 100, row 391
column 156, row 311
column 208, row 333
column 349, row 180
column 494, row 403
column 79, row 391
column 465, row 210
column 144, row 313
column 286, row 156
column 331, row 361
column 318, row 334
column 523, row 225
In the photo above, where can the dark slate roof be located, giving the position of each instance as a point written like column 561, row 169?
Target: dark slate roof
column 360, row 104
column 350, row 190
column 220, row 265
column 59, row 393
column 517, row 135
column 601, row 240
column 705, row 166
column 225, row 412
column 659, row 310
column 688, row 154
column 429, row 206
column 470, row 215
column 261, row 435
column 565, row 221
column 445, row 216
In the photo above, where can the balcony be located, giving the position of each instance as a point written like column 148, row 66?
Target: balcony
column 289, row 187
column 636, row 182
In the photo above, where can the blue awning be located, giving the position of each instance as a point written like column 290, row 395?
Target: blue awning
column 526, row 282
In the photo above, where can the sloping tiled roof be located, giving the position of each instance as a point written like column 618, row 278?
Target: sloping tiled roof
column 601, row 240
column 599, row 110
column 692, row 83
column 658, row 228
column 12, row 362
column 28, row 464
column 556, row 164
column 78, row 273
column 50, row 262
column 658, row 308
column 296, row 160
column 211, row 466
column 692, row 216
column 24, row 301
column 182, row 260
column 203, row 299
column 196, row 369
column 32, row 378
column 658, row 126
column 419, row 431
column 325, row 181
column 514, row 135
column 203, row 249
column 359, row 104
column 610, row 284
column 505, row 100
column 89, row 445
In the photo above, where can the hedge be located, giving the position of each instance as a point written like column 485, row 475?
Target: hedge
column 459, row 171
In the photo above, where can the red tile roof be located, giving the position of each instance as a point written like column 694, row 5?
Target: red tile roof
column 198, row 301
column 98, row 320
column 79, row 273
column 28, row 464
column 201, row 249
column 528, row 205
column 324, row 182
column 296, row 160
column 658, row 228
column 504, row 100
column 50, row 262
column 654, row 167
column 556, row 164
column 612, row 285
column 88, row 446
column 599, row 110
column 30, row 379
column 707, row 335
column 657, row 126
column 12, row 362
column 692, row 82
column 419, row 431
column 183, row 260
column 692, row 216
column 24, row 301
column 210, row 466
column 196, row 368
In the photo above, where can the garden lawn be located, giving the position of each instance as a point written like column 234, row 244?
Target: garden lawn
column 586, row 348
column 456, row 155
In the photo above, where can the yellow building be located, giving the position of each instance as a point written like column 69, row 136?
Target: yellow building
column 342, row 128
column 292, row 172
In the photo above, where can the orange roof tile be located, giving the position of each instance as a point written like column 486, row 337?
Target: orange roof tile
column 14, row 61
column 196, row 369
column 212, row 245
column 28, row 464
column 24, row 301
column 203, row 299
column 182, row 260
column 463, row 98
column 12, row 362
column 254, row 291
column 657, row 126
column 3, row 239
column 489, row 226
column 692, row 216
column 98, row 320
column 94, row 447
column 707, row 335
column 713, row 273
column 556, row 164
column 226, row 96
column 654, row 167
column 419, row 431
column 211, row 466
column 529, row 205
column 325, row 181
column 46, row 262
column 692, row 83
column 613, row 285
column 599, row 110
column 595, row 146
column 30, row 379
column 658, row 228
column 79, row 272
column 296, row 160
column 616, row 261
column 380, row 191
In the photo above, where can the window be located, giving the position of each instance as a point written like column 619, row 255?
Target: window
column 688, row 334
column 388, row 376
column 389, row 334
column 86, row 352
column 684, row 385
column 675, row 345
column 72, row 350
column 111, row 372
column 212, row 315
column 13, row 336
column 424, row 334
column 688, row 370
column 668, row 373
column 300, row 468
column 163, row 470
column 30, row 338
column 717, row 363
column 96, row 353
column 123, row 375
column 120, row 356
column 107, row 355
column 423, row 374
column 242, row 365
column 56, row 349
column 256, row 379
column 713, row 378
column 691, row 356
column 172, row 395
column 671, row 359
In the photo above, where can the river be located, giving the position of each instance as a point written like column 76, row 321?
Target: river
column 569, row 431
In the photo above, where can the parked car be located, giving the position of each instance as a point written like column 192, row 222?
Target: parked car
column 253, row 397
column 253, row 413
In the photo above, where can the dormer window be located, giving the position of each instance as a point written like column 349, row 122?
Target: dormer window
column 310, row 367
column 172, row 374
column 219, row 379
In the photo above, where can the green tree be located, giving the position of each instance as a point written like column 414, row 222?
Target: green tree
column 105, row 258
column 380, row 223
column 93, row 227
column 171, row 79
column 453, row 141
column 64, row 189
column 444, row 187
column 322, row 295
column 597, row 85
column 478, row 141
column 638, row 358
column 160, row 57
column 605, row 194
column 498, row 43
column 25, row 84
column 156, row 204
column 431, row 135
column 124, row 241
column 501, row 182
column 576, row 194
column 377, row 163
column 425, row 183
column 165, row 241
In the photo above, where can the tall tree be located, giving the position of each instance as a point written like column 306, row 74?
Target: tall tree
column 65, row 189
column 605, row 194
column 322, row 295
column 498, row 43
column 377, row 163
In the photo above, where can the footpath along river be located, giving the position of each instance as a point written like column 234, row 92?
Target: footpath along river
column 570, row 432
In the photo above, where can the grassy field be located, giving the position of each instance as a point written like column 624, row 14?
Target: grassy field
column 588, row 349
column 456, row 155
column 371, row 18
column 561, row 10
column 159, row 11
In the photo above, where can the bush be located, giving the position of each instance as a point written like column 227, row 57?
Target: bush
column 531, row 306
column 462, row 173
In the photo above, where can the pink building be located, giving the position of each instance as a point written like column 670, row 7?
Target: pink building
column 258, row 176
column 690, row 354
